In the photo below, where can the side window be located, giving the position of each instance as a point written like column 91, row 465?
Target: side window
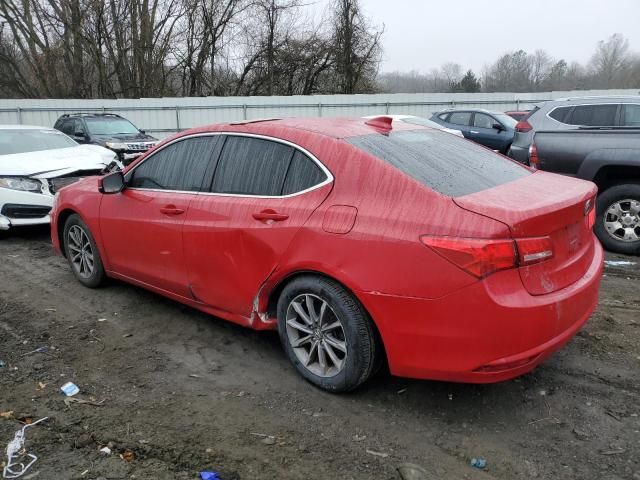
column 631, row 116
column 443, row 116
column 252, row 166
column 460, row 118
column 67, row 127
column 594, row 115
column 78, row 126
column 483, row 121
column 303, row 173
column 560, row 114
column 179, row 166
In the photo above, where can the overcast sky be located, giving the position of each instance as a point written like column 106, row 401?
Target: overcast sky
column 424, row 34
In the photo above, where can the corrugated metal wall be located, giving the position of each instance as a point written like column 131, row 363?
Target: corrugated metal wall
column 164, row 116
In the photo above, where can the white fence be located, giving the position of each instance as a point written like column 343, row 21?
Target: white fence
column 164, row 116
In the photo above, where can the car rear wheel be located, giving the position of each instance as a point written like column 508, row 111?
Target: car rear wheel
column 327, row 334
column 618, row 218
column 82, row 253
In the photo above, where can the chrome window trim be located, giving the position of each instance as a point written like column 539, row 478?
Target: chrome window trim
column 313, row 158
column 584, row 105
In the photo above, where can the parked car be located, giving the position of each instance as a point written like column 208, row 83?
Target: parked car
column 518, row 115
column 35, row 162
column 571, row 114
column 611, row 159
column 414, row 120
column 107, row 130
column 357, row 240
column 494, row 130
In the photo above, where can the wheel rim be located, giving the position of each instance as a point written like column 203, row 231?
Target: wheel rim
column 622, row 220
column 316, row 335
column 80, row 251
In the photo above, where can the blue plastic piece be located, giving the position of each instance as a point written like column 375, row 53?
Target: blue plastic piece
column 478, row 463
column 209, row 476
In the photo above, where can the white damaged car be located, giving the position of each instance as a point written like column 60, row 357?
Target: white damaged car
column 35, row 162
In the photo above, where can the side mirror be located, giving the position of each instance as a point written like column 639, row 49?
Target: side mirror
column 79, row 133
column 498, row 127
column 143, row 132
column 112, row 183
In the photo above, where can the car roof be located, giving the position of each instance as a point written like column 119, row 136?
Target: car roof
column 89, row 114
column 592, row 100
column 24, row 127
column 327, row 126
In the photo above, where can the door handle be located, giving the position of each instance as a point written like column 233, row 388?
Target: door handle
column 270, row 215
column 171, row 210
column 474, row 131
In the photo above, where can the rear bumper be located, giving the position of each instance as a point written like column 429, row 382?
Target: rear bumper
column 519, row 154
column 491, row 331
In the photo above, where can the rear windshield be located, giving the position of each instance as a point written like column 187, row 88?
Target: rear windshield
column 443, row 162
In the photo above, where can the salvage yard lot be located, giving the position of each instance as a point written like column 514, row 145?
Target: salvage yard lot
column 186, row 392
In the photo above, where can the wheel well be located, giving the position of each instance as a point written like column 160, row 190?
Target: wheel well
column 62, row 219
column 608, row 176
column 274, row 295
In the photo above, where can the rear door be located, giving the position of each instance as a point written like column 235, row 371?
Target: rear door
column 142, row 226
column 461, row 121
column 263, row 191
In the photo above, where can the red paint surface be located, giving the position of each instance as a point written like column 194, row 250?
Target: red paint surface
column 435, row 319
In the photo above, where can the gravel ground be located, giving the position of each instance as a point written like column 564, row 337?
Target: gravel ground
column 172, row 392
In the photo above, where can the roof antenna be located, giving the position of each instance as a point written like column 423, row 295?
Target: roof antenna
column 382, row 122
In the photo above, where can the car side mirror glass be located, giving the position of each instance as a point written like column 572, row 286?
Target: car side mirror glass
column 498, row 127
column 112, row 183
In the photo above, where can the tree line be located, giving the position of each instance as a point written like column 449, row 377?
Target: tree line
column 154, row 48
column 612, row 65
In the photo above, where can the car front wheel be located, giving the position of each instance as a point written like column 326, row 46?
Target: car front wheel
column 618, row 218
column 327, row 334
column 82, row 253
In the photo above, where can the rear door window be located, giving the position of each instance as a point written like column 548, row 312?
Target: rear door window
column 560, row 114
column 631, row 115
column 252, row 166
column 183, row 165
column 445, row 163
column 303, row 174
column 460, row 118
column 594, row 115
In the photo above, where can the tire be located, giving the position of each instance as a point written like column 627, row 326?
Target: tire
column 344, row 323
column 625, row 196
column 78, row 241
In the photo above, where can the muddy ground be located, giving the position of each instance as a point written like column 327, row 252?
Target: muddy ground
column 184, row 392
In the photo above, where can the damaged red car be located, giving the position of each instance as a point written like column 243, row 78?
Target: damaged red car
column 360, row 241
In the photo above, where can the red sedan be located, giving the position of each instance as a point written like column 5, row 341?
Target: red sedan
column 360, row 241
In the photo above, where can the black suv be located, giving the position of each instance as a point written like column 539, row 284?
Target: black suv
column 107, row 130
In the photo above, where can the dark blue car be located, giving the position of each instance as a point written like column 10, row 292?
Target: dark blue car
column 494, row 130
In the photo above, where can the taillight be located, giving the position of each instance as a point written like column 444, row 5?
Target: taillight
column 482, row 257
column 534, row 250
column 534, row 161
column 523, row 126
column 590, row 213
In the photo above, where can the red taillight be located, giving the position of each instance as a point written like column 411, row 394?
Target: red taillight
column 534, row 161
column 534, row 250
column 482, row 257
column 523, row 126
column 590, row 213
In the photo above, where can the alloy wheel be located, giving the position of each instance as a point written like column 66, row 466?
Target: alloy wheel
column 316, row 335
column 80, row 251
column 622, row 220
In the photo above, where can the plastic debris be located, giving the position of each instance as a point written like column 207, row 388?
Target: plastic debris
column 6, row 415
column 478, row 463
column 70, row 389
column 2, row 364
column 377, row 454
column 128, row 456
column 618, row 263
column 105, row 450
column 209, row 476
column 37, row 350
column 14, row 467
column 411, row 471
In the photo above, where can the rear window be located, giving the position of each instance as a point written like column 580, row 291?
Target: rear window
column 445, row 163
column 593, row 115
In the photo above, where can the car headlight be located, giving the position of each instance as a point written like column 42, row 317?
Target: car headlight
column 21, row 183
column 116, row 145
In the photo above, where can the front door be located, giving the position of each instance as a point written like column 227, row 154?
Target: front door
column 142, row 226
column 262, row 193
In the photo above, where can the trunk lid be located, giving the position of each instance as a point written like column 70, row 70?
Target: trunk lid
column 543, row 205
